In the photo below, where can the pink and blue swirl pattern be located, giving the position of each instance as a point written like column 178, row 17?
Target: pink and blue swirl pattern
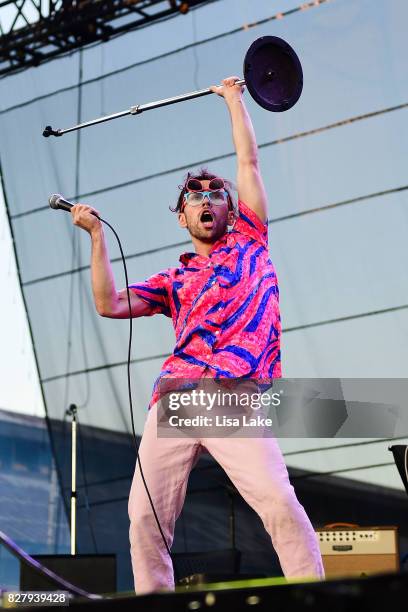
column 225, row 307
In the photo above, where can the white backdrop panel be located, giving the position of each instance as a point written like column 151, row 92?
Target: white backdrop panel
column 336, row 263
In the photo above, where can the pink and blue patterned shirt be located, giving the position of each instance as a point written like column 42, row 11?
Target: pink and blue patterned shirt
column 225, row 307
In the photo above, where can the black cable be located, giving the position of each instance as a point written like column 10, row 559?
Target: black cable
column 130, row 391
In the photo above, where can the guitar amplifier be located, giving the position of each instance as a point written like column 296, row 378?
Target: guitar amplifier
column 352, row 550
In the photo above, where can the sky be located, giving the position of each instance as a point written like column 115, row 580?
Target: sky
column 19, row 389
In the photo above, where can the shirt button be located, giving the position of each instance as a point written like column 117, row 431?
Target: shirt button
column 217, row 333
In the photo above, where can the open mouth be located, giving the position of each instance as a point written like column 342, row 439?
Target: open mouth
column 207, row 219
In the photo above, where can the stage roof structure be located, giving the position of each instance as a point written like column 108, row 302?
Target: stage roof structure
column 35, row 31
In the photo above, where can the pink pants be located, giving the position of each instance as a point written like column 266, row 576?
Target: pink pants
column 257, row 469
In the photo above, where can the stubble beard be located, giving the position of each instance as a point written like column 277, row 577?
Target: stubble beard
column 218, row 230
column 208, row 236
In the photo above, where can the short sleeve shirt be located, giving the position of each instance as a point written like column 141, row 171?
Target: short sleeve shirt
column 224, row 307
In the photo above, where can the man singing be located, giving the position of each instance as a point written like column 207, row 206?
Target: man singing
column 224, row 303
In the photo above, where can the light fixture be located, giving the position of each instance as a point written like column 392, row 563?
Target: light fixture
column 184, row 8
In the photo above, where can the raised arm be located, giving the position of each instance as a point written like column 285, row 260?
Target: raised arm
column 251, row 189
column 108, row 301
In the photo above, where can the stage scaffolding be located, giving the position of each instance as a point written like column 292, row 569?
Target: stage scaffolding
column 35, row 31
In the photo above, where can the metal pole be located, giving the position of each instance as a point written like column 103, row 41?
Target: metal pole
column 133, row 110
column 72, row 412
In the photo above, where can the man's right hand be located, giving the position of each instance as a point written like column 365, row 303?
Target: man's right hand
column 83, row 217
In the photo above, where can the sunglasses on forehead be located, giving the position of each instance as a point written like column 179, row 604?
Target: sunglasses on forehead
column 193, row 184
column 216, row 192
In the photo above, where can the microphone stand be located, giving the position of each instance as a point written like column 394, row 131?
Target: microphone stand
column 72, row 411
column 133, row 110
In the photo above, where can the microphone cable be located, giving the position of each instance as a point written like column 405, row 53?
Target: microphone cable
column 129, row 385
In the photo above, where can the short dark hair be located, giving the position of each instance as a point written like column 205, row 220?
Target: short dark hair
column 203, row 175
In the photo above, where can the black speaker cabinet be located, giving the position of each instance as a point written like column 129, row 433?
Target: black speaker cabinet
column 93, row 573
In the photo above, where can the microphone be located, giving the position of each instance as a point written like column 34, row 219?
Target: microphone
column 58, row 201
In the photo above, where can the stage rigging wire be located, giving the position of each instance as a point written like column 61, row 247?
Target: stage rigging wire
column 75, row 253
column 309, row 475
column 76, row 245
column 284, row 330
column 184, row 243
column 195, row 55
column 203, row 162
column 287, row 454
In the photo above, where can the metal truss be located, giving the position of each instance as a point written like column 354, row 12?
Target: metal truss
column 35, row 31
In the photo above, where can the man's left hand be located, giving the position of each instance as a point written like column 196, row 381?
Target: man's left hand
column 229, row 90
